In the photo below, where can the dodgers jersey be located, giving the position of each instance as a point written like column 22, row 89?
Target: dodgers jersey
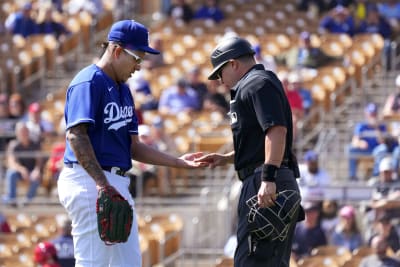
column 108, row 108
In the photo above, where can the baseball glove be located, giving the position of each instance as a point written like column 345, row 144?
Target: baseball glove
column 114, row 216
column 273, row 222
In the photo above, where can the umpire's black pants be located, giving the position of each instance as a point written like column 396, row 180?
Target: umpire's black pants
column 270, row 253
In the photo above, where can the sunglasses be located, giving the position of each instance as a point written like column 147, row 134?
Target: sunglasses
column 136, row 57
column 219, row 74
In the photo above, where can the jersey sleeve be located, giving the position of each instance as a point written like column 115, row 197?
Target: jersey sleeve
column 82, row 103
column 268, row 104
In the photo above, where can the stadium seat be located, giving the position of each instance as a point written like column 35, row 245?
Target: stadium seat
column 353, row 262
column 224, row 262
column 172, row 226
column 155, row 235
column 318, row 261
column 363, row 251
column 144, row 248
column 340, row 254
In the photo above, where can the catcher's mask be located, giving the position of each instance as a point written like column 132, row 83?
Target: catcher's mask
column 273, row 222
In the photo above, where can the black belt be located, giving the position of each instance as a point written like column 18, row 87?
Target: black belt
column 252, row 168
column 116, row 170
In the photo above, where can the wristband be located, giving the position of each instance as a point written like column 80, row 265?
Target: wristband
column 269, row 172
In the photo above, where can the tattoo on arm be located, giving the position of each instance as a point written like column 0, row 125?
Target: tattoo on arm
column 83, row 150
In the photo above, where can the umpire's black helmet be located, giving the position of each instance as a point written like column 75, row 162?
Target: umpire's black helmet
column 228, row 48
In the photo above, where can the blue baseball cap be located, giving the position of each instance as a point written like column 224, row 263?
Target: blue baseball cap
column 132, row 35
column 310, row 156
column 305, row 35
column 371, row 108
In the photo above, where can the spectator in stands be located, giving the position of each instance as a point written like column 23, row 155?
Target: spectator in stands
column 267, row 60
column 161, row 177
column 347, row 234
column 209, row 10
column 16, row 105
column 94, row 7
column 329, row 217
column 57, row 5
column 338, row 20
column 375, row 23
column 385, row 149
column 4, row 225
column 179, row 98
column 308, row 233
column 379, row 258
column 296, row 82
column 313, row 177
column 392, row 103
column 385, row 228
column 141, row 91
column 386, row 181
column 22, row 22
column 146, row 174
column 307, row 5
column 64, row 245
column 164, row 141
column 45, row 255
column 39, row 128
column 359, row 10
column 180, row 11
column 48, row 25
column 6, row 123
column 215, row 100
column 53, row 166
column 195, row 81
column 152, row 61
column 396, row 159
column 366, row 136
column 22, row 165
column 295, row 102
column 390, row 9
column 304, row 55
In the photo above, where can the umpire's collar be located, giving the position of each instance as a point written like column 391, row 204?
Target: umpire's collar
column 235, row 88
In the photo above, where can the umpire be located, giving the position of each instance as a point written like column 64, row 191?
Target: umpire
column 261, row 122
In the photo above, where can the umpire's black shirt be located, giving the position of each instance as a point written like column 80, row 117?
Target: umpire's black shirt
column 258, row 102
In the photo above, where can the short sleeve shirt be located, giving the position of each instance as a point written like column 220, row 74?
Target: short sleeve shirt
column 368, row 133
column 18, row 150
column 258, row 102
column 108, row 108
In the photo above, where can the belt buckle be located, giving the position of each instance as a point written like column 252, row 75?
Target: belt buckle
column 117, row 171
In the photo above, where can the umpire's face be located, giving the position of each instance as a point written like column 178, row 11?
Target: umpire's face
column 227, row 73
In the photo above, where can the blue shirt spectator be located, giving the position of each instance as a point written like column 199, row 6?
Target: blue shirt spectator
column 141, row 91
column 181, row 11
column 390, row 9
column 179, row 98
column 210, row 10
column 65, row 246
column 375, row 23
column 367, row 135
column 47, row 25
column 22, row 23
column 339, row 20
column 308, row 233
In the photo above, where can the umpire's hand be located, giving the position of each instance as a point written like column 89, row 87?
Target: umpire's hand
column 267, row 194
